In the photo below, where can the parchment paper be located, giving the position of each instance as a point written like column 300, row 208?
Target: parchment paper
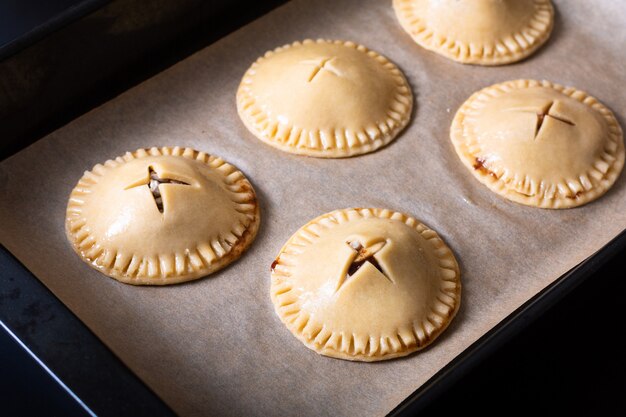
column 215, row 346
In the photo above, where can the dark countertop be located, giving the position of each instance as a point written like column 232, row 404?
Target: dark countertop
column 570, row 361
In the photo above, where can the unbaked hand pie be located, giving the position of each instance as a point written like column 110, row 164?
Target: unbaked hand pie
column 539, row 143
column 322, row 98
column 365, row 284
column 483, row 32
column 161, row 216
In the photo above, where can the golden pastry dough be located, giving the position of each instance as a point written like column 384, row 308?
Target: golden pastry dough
column 328, row 99
column 483, row 32
column 161, row 216
column 365, row 284
column 539, row 144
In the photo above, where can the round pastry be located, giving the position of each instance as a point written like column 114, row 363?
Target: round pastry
column 483, row 32
column 539, row 144
column 161, row 216
column 328, row 99
column 365, row 285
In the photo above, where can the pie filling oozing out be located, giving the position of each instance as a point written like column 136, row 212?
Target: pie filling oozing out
column 482, row 32
column 539, row 143
column 161, row 216
column 323, row 98
column 365, row 284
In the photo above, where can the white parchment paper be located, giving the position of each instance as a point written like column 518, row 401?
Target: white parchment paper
column 215, row 346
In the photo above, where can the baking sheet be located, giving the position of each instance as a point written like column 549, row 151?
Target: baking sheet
column 215, row 346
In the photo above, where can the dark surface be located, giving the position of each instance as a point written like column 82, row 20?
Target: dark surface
column 91, row 60
column 32, row 13
column 68, row 348
column 27, row 389
column 26, row 22
column 570, row 359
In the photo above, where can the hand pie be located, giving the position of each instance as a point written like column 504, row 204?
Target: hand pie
column 539, row 144
column 328, row 99
column 483, row 32
column 161, row 216
column 365, row 285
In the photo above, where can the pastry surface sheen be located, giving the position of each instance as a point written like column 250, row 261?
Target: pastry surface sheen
column 328, row 99
column 161, row 216
column 482, row 32
column 365, row 284
column 539, row 143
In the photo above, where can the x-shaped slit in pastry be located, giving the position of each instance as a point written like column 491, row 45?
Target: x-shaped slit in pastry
column 542, row 114
column 153, row 183
column 319, row 66
column 546, row 113
column 365, row 254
